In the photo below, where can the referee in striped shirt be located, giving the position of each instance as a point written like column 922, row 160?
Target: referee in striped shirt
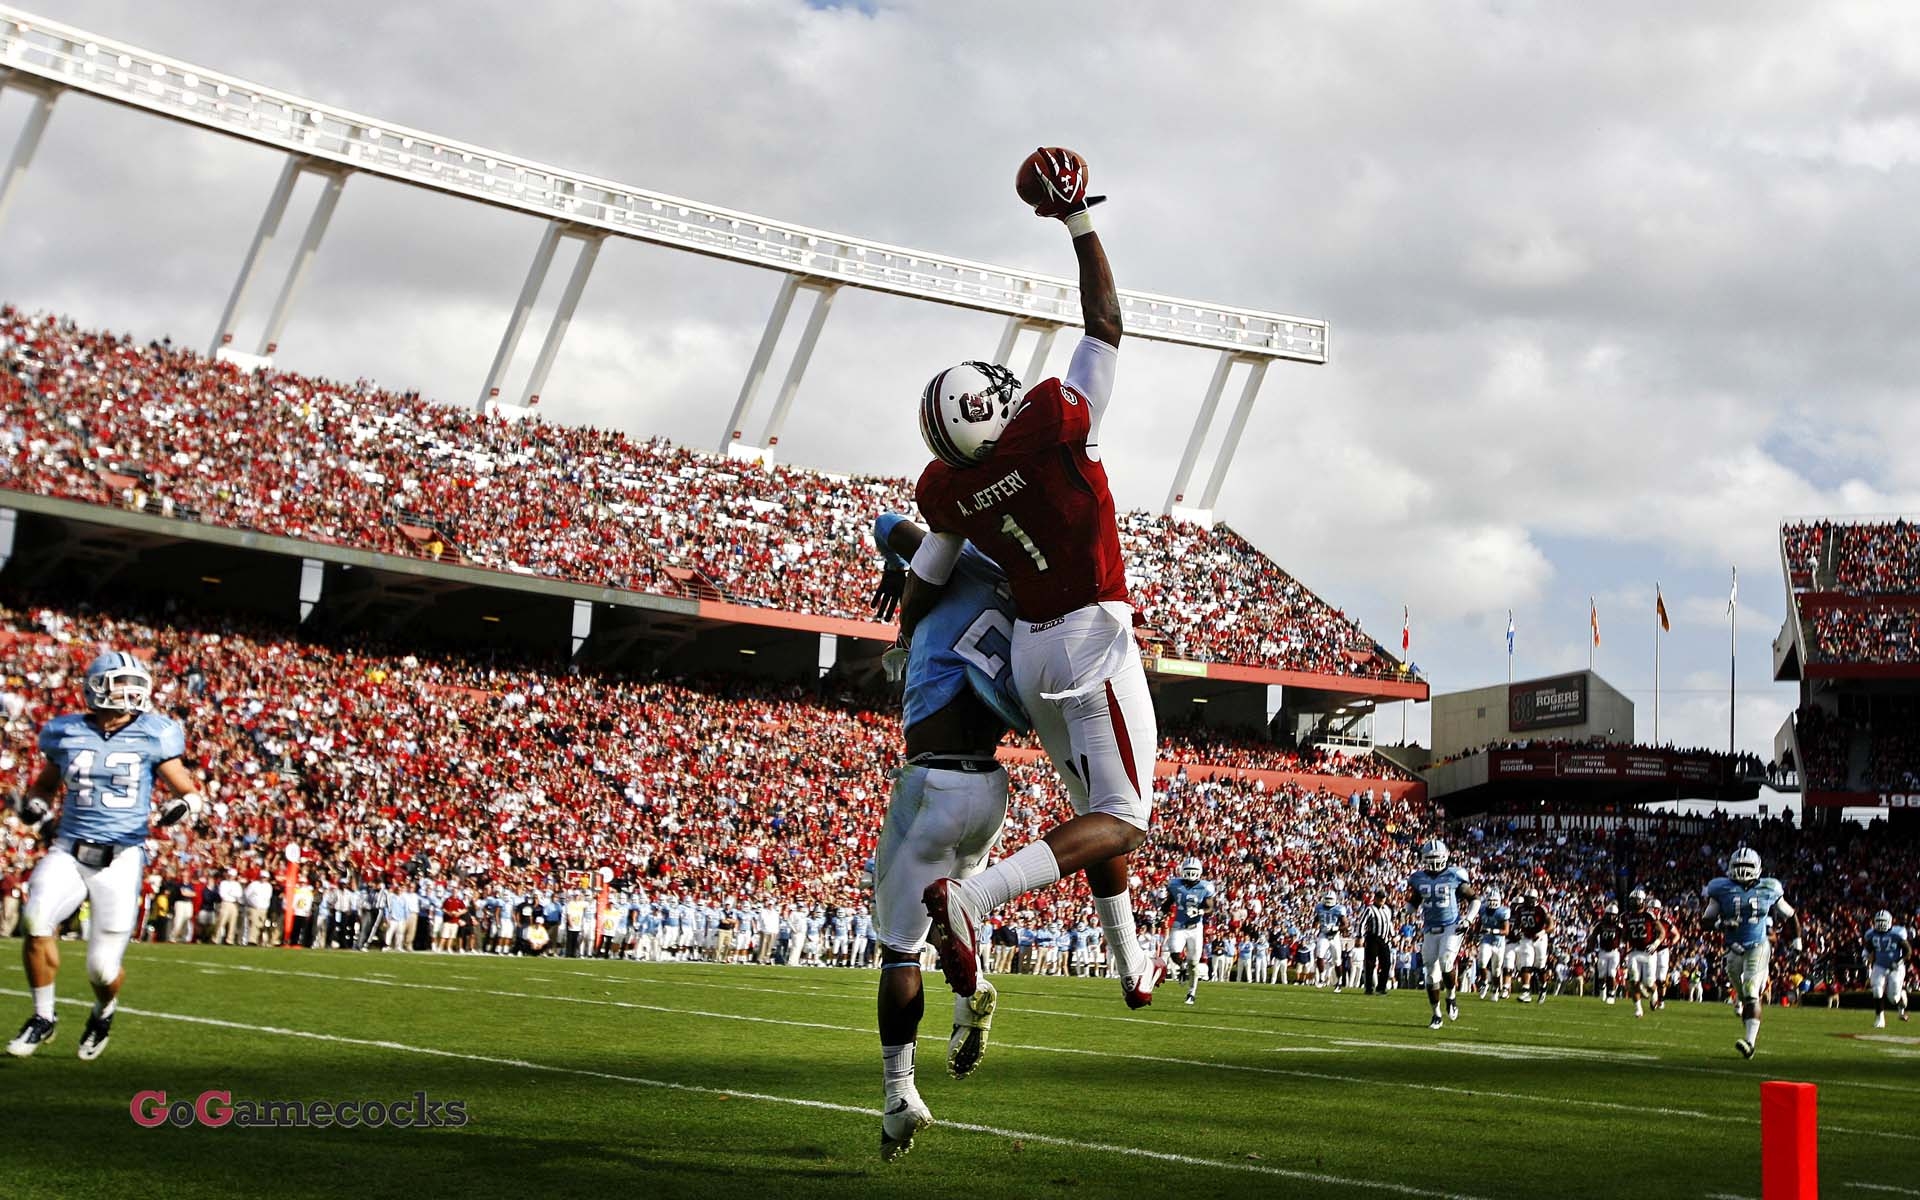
column 1376, row 925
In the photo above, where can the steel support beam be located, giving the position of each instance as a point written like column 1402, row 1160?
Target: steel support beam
column 302, row 259
column 1256, row 371
column 757, row 369
column 1037, row 365
column 23, row 148
column 562, row 318
column 1008, row 335
column 522, row 308
column 790, row 387
column 263, row 236
column 1183, row 474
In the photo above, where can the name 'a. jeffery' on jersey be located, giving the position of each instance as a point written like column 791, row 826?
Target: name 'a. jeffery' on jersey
column 109, row 777
column 1038, row 505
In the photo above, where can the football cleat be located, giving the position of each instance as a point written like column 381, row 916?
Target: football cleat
column 1745, row 1048
column 1191, row 999
column 906, row 1115
column 93, row 1039
column 1137, row 990
column 968, row 1045
column 1436, row 1023
column 37, row 1032
column 1879, row 1020
column 1524, row 998
column 955, row 934
column 1453, row 1010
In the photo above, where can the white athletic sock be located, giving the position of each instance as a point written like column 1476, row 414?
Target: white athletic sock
column 896, row 1069
column 1116, row 920
column 105, row 1010
column 43, row 1002
column 1031, row 866
column 1753, row 1031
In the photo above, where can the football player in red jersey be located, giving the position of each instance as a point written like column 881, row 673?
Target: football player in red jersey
column 1020, row 475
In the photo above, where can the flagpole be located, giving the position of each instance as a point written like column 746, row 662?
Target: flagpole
column 1733, row 642
column 1657, row 602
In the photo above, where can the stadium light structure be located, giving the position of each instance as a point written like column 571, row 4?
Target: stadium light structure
column 45, row 59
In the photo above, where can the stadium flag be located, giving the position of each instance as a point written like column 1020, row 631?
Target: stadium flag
column 1593, row 620
column 1406, row 630
column 1662, row 626
column 1660, row 609
column 1509, row 645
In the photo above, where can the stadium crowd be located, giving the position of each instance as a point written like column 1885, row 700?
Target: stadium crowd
column 1858, row 558
column 445, row 802
column 91, row 416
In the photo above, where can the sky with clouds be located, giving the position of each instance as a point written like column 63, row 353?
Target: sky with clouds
column 1612, row 288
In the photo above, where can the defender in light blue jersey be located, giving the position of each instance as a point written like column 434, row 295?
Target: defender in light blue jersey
column 1330, row 924
column 1190, row 900
column 101, row 765
column 948, row 804
column 1496, row 922
column 1439, row 890
column 1744, row 905
column 1886, row 950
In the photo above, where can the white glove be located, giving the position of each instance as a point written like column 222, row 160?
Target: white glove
column 181, row 808
column 894, row 663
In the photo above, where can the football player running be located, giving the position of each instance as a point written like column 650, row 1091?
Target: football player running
column 101, row 764
column 1020, row 476
column 1603, row 944
column 1496, row 922
column 1646, row 933
column 1190, row 901
column 1663, row 956
column 1745, row 906
column 949, row 801
column 1887, row 952
column 1437, row 890
column 1330, row 919
column 1530, row 948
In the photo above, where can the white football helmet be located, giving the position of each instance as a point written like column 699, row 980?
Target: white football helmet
column 1613, row 910
column 1655, row 904
column 1744, row 867
column 964, row 409
column 1883, row 920
column 118, row 682
column 1191, row 870
column 1494, row 896
column 1532, row 893
column 1433, row 854
column 1637, row 898
column 1328, row 898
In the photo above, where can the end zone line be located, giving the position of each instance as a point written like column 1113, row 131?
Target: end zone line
column 1187, row 1160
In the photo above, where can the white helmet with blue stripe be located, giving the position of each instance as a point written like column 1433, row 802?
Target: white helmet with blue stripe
column 1191, row 871
column 1744, row 867
column 1433, row 855
column 1883, row 921
column 119, row 682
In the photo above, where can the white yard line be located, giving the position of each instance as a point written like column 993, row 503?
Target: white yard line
column 1044, row 1139
column 1883, row 1187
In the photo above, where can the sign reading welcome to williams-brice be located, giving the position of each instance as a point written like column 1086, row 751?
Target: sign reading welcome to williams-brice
column 1547, row 703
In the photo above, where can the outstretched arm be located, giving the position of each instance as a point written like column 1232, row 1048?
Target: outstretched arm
column 1099, row 299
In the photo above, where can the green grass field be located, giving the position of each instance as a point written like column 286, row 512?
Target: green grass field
column 588, row 1078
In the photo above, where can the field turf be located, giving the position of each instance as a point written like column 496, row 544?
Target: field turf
column 585, row 1078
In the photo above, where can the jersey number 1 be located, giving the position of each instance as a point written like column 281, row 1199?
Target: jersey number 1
column 1013, row 530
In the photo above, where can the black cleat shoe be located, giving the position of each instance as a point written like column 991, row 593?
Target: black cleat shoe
column 37, row 1032
column 93, row 1040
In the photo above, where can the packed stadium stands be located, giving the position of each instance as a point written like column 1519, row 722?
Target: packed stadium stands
column 1859, row 558
column 155, row 427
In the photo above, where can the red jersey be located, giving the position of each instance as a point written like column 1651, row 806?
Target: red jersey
column 1038, row 506
column 1644, row 929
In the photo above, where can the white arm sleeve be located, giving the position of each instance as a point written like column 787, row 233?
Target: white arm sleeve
column 934, row 560
column 1091, row 374
column 1782, row 909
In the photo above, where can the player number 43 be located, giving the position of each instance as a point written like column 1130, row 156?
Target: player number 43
column 118, row 789
column 1012, row 529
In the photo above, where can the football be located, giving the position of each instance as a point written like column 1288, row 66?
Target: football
column 1031, row 181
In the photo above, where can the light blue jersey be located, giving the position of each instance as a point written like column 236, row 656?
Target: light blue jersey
column 1746, row 913
column 1888, row 949
column 1439, row 894
column 109, row 778
column 967, row 640
column 1329, row 917
column 1494, row 921
column 1188, row 901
